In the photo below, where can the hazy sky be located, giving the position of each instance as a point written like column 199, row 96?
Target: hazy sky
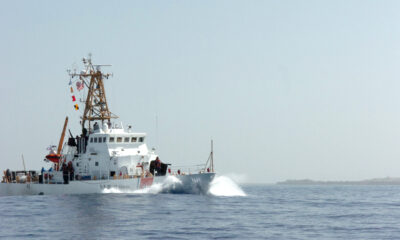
column 287, row 89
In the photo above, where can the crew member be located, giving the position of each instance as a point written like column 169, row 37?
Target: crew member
column 70, row 171
column 64, row 169
column 8, row 175
column 158, row 166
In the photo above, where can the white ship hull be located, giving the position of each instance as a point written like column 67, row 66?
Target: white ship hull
column 194, row 183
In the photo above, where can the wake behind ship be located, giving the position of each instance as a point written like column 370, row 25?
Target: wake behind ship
column 105, row 155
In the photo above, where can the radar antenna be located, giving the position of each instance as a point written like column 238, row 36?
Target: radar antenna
column 96, row 107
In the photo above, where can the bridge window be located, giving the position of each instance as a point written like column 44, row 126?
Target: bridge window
column 100, row 139
column 104, row 139
column 141, row 139
column 91, row 139
column 126, row 139
column 112, row 139
column 119, row 139
column 95, row 139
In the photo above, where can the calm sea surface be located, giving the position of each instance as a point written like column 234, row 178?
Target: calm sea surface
column 265, row 212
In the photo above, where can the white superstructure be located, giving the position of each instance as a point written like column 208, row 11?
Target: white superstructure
column 110, row 151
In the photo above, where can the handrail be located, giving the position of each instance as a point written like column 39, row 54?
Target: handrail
column 49, row 177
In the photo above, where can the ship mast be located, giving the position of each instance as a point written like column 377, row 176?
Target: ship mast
column 96, row 107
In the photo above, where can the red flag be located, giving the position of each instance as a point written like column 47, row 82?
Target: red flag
column 73, row 98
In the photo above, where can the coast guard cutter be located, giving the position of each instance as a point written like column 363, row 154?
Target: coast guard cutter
column 105, row 155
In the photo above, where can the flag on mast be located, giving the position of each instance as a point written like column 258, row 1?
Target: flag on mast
column 79, row 85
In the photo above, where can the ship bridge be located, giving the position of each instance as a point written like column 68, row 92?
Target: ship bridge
column 111, row 150
column 116, row 140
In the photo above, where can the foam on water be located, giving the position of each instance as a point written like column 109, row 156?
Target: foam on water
column 224, row 186
column 170, row 183
column 220, row 186
column 117, row 190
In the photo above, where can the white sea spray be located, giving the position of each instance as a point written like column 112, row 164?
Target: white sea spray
column 224, row 186
column 169, row 183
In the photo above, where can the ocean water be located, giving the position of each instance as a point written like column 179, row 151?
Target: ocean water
column 229, row 211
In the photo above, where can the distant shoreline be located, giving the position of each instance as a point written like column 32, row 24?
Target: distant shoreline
column 374, row 181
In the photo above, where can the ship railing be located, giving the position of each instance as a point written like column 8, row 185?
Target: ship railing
column 21, row 177
column 53, row 177
column 187, row 169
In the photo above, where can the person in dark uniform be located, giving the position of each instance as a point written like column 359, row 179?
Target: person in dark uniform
column 8, row 175
column 158, row 166
column 65, row 173
column 70, row 171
